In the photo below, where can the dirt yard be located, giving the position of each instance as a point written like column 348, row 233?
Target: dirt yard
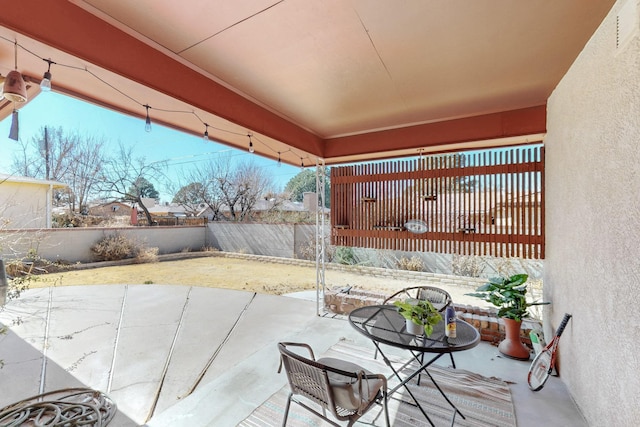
column 214, row 272
column 232, row 273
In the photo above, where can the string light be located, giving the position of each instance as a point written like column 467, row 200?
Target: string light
column 45, row 83
column 206, row 132
column 251, row 149
column 147, row 122
column 301, row 163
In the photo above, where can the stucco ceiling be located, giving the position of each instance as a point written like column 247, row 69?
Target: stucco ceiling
column 342, row 80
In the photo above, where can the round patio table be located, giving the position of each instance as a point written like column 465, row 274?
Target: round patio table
column 382, row 324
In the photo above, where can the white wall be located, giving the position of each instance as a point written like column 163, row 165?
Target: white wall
column 592, row 269
column 23, row 205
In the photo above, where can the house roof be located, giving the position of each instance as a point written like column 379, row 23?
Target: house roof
column 30, row 181
column 336, row 80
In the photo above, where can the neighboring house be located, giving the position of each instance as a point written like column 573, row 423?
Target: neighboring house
column 167, row 210
column 262, row 208
column 26, row 202
column 111, row 209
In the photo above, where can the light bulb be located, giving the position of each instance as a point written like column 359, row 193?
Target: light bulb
column 206, row 132
column 279, row 162
column 147, row 122
column 251, row 149
column 45, row 83
column 302, row 164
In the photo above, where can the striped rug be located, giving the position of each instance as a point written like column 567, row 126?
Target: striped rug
column 485, row 402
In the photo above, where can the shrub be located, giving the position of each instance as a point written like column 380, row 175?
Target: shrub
column 468, row 266
column 307, row 250
column 146, row 255
column 114, row 248
column 344, row 255
column 413, row 264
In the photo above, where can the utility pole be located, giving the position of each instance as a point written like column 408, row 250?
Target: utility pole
column 46, row 153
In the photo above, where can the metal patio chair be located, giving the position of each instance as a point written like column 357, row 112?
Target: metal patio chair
column 343, row 388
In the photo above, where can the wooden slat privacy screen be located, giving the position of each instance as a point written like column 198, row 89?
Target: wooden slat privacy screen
column 486, row 203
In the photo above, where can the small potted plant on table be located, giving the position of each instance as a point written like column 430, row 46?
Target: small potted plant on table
column 421, row 315
column 509, row 294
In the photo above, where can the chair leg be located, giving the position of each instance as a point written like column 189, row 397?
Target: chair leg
column 286, row 410
column 386, row 409
column 453, row 363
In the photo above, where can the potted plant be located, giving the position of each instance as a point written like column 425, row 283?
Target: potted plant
column 421, row 315
column 509, row 294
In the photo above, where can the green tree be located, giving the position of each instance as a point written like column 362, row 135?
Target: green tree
column 305, row 182
column 142, row 188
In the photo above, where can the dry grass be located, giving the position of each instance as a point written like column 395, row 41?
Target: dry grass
column 216, row 272
column 233, row 273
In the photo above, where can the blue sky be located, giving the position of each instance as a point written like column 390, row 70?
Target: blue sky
column 180, row 150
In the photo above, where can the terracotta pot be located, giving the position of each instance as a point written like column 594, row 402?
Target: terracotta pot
column 512, row 346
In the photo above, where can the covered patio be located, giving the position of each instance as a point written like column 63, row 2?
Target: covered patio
column 180, row 356
column 335, row 82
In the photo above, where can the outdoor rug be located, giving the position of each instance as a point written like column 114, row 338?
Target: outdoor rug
column 485, row 402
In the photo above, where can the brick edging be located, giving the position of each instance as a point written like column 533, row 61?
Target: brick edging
column 485, row 320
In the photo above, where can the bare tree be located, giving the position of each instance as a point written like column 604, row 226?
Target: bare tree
column 220, row 184
column 127, row 178
column 191, row 197
column 251, row 182
column 24, row 163
column 85, row 171
column 69, row 158
column 197, row 187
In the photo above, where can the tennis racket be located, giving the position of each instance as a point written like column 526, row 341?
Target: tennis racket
column 545, row 361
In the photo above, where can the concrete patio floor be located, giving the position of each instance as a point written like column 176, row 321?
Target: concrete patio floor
column 188, row 356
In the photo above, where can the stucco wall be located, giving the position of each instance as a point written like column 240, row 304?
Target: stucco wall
column 23, row 205
column 592, row 268
column 73, row 244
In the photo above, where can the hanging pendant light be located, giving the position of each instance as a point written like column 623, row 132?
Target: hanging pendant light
column 251, row 149
column 15, row 89
column 205, row 136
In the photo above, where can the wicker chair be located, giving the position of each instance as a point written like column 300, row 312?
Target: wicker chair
column 436, row 296
column 343, row 388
